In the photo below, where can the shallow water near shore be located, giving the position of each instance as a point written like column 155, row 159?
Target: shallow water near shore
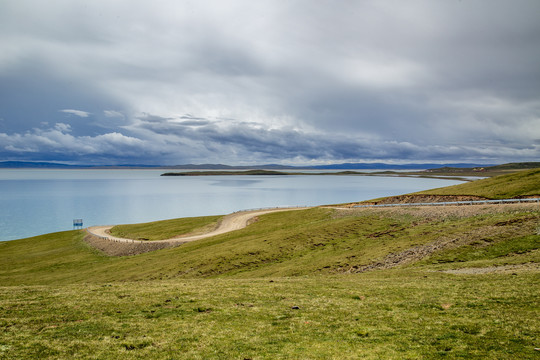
column 38, row 201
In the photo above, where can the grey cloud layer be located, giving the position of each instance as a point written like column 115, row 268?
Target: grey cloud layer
column 243, row 81
column 243, row 143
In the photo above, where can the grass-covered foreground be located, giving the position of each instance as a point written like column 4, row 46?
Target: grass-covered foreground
column 392, row 283
column 385, row 315
column 234, row 296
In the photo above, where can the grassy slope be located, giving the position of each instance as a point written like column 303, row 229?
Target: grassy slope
column 515, row 166
column 231, row 296
column 159, row 230
column 522, row 183
column 316, row 241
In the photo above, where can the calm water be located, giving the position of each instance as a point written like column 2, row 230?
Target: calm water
column 34, row 202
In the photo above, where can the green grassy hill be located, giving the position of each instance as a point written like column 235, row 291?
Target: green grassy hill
column 308, row 242
column 166, row 229
column 389, row 283
column 515, row 166
column 518, row 184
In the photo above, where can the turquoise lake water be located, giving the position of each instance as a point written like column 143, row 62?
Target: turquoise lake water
column 34, row 202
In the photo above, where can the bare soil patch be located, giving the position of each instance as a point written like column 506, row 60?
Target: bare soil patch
column 417, row 198
column 113, row 248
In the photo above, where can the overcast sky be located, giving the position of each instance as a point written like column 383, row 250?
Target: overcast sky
column 253, row 82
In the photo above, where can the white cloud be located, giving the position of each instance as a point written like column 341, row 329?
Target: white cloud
column 47, row 143
column 113, row 114
column 379, row 73
column 63, row 127
column 79, row 113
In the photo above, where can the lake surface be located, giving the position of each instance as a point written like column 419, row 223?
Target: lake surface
column 34, row 202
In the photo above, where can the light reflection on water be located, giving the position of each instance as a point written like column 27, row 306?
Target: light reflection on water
column 235, row 182
column 34, row 202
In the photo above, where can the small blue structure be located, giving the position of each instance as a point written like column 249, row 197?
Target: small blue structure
column 77, row 223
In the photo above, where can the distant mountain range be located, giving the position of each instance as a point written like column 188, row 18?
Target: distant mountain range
column 343, row 166
column 383, row 166
column 34, row 165
column 54, row 165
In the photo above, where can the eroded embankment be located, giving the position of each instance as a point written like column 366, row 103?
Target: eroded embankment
column 428, row 199
column 418, row 198
column 113, row 248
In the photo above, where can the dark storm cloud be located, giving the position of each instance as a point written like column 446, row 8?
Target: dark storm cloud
column 291, row 144
column 292, row 82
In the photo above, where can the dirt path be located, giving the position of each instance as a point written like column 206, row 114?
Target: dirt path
column 231, row 222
